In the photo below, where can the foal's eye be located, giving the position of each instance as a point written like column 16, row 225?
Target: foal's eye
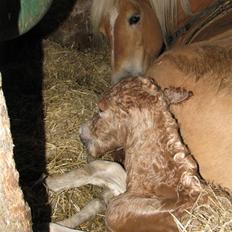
column 100, row 112
column 134, row 19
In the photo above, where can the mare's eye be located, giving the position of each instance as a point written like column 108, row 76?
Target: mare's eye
column 134, row 19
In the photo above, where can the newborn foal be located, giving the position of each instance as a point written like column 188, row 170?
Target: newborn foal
column 162, row 178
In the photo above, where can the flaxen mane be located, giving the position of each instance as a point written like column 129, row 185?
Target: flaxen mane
column 166, row 12
column 100, row 9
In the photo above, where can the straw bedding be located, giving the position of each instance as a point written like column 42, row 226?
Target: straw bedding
column 73, row 83
column 46, row 112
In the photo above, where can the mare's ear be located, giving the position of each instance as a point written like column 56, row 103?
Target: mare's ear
column 177, row 95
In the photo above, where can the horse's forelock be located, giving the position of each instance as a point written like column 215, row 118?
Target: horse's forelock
column 99, row 9
column 166, row 12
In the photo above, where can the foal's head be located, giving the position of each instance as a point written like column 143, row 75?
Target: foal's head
column 134, row 33
column 131, row 106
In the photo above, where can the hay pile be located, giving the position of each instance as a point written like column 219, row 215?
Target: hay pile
column 216, row 216
column 73, row 82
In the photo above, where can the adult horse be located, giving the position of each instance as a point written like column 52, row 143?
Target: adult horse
column 138, row 29
column 204, row 67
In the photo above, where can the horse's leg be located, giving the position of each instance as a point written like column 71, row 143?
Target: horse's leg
column 90, row 210
column 101, row 173
column 129, row 212
column 53, row 227
column 59, row 228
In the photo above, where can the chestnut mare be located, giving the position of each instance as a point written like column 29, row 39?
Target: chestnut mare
column 137, row 30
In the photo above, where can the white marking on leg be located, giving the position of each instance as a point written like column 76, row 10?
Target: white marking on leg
column 53, row 227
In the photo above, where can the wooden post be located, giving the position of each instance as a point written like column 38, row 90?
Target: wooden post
column 15, row 215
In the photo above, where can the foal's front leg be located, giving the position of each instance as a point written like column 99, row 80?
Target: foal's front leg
column 106, row 174
column 90, row 210
column 99, row 172
column 53, row 227
column 57, row 228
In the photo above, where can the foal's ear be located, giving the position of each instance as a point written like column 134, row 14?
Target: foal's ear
column 177, row 95
column 102, row 105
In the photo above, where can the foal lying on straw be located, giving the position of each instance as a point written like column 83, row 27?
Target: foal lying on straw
column 162, row 178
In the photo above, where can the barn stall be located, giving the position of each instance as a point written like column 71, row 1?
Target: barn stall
column 52, row 79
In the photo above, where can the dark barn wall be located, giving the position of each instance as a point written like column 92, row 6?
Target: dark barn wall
column 68, row 23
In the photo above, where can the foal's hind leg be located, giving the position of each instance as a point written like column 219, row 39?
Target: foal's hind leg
column 110, row 175
column 129, row 212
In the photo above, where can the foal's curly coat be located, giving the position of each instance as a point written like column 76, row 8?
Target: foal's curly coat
column 162, row 177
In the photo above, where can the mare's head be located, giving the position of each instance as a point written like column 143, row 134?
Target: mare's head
column 137, row 30
column 133, row 31
column 131, row 106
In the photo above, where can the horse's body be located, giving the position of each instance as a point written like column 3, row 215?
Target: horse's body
column 138, row 29
column 203, row 67
column 162, row 176
column 205, row 120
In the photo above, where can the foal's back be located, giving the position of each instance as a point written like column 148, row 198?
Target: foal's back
column 205, row 68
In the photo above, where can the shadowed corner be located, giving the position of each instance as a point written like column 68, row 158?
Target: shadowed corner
column 73, row 19
column 21, row 65
column 9, row 11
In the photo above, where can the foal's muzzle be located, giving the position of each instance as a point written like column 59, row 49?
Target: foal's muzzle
column 87, row 139
column 85, row 135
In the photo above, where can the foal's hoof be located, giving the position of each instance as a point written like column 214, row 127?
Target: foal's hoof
column 51, row 184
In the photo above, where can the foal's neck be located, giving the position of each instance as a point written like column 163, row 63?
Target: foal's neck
column 156, row 159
